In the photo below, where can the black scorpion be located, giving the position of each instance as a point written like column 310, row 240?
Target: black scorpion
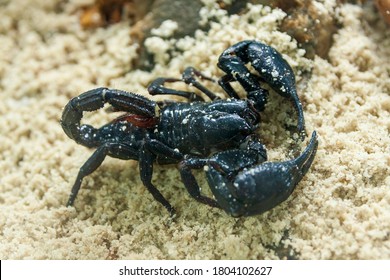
column 188, row 132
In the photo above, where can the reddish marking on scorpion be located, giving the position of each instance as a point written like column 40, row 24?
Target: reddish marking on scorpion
column 137, row 120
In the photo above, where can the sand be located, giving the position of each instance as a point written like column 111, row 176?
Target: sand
column 340, row 210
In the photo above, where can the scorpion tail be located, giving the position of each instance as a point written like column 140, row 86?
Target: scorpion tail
column 95, row 99
column 73, row 113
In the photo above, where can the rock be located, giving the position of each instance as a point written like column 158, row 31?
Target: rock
column 384, row 8
column 184, row 12
column 311, row 26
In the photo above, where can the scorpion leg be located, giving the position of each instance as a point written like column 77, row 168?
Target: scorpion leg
column 190, row 182
column 146, row 160
column 224, row 83
column 189, row 77
column 260, row 187
column 94, row 162
column 157, row 88
column 271, row 67
column 123, row 151
column 160, row 149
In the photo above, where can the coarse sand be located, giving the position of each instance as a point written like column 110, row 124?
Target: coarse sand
column 340, row 210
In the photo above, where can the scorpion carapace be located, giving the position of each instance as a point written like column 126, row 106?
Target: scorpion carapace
column 199, row 132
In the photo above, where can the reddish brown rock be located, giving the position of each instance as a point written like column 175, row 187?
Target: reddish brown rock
column 384, row 8
column 105, row 12
column 312, row 28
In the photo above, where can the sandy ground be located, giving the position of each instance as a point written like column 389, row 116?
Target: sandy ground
column 340, row 210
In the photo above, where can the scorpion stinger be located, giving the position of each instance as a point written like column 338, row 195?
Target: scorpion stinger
column 272, row 69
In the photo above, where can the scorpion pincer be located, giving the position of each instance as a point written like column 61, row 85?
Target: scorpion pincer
column 171, row 132
column 243, row 184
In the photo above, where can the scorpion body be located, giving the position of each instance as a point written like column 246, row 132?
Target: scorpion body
column 219, row 134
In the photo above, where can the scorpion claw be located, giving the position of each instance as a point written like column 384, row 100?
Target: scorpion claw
column 262, row 187
column 272, row 69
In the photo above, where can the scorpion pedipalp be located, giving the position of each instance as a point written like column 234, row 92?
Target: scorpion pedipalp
column 243, row 184
column 272, row 69
column 261, row 187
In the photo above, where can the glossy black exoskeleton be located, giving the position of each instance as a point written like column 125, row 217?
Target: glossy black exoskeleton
column 172, row 132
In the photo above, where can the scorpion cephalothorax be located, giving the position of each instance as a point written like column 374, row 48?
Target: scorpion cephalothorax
column 219, row 134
